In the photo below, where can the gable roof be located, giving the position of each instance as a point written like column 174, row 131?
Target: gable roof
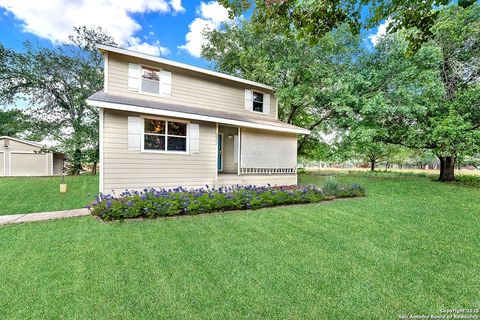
column 180, row 65
column 35, row 144
column 108, row 101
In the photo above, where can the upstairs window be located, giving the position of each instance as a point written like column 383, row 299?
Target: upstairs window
column 257, row 101
column 162, row 135
column 150, row 80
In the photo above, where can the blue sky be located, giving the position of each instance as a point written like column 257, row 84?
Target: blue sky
column 169, row 28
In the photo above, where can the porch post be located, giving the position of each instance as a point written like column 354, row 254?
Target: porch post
column 239, row 149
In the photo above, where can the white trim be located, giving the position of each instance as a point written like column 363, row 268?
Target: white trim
column 51, row 163
column 191, row 116
column 216, row 153
column 105, row 72
column 4, row 164
column 140, row 55
column 26, row 152
column 35, row 144
column 239, row 149
column 221, row 162
column 142, row 142
column 101, row 116
column 263, row 102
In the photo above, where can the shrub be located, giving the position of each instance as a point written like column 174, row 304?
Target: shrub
column 469, row 180
column 331, row 186
column 151, row 202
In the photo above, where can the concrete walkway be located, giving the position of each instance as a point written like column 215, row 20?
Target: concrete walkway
column 29, row 217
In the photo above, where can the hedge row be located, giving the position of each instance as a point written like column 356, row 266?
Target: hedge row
column 151, row 202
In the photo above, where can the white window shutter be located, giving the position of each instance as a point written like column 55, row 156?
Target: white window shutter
column 134, row 133
column 194, row 138
column 235, row 149
column 266, row 103
column 165, row 83
column 134, row 76
column 248, row 100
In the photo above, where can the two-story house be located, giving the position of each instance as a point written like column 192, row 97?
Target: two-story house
column 169, row 124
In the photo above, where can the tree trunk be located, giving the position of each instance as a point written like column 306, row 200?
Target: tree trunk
column 94, row 168
column 447, row 169
column 75, row 165
column 372, row 165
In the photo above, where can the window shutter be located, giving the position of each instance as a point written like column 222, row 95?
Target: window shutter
column 235, row 149
column 194, row 138
column 134, row 133
column 165, row 83
column 266, row 103
column 134, row 76
column 248, row 100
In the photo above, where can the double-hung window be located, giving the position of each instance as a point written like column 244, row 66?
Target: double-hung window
column 257, row 101
column 165, row 135
column 150, row 80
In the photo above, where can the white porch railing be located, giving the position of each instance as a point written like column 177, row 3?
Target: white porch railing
column 268, row 170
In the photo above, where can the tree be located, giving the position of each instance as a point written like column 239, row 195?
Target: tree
column 11, row 122
column 430, row 100
column 312, row 82
column 17, row 123
column 365, row 144
column 57, row 81
column 311, row 20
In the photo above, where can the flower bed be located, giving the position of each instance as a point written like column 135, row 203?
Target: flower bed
column 151, row 202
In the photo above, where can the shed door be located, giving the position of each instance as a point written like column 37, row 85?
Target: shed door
column 2, row 164
column 29, row 164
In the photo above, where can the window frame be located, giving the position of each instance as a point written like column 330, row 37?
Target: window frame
column 140, row 91
column 187, row 137
column 142, row 66
column 263, row 102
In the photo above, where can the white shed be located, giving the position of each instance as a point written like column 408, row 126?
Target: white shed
column 24, row 158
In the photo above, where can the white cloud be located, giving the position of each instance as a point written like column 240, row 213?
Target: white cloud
column 177, row 5
column 213, row 11
column 55, row 19
column 381, row 31
column 212, row 14
column 154, row 49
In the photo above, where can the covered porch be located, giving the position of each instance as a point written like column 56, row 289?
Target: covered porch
column 252, row 156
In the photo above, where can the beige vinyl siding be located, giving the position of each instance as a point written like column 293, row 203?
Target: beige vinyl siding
column 22, row 159
column 258, row 180
column 136, row 170
column 19, row 146
column 188, row 88
column 229, row 165
column 2, row 163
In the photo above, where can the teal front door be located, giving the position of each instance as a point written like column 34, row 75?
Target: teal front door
column 220, row 152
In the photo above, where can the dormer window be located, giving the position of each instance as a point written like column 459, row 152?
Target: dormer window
column 257, row 101
column 150, row 80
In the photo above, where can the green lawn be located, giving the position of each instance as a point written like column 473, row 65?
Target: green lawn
column 38, row 194
column 410, row 247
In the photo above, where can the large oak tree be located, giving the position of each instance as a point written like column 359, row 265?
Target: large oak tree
column 57, row 82
column 430, row 100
